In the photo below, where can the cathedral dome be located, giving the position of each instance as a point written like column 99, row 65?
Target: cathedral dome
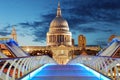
column 59, row 22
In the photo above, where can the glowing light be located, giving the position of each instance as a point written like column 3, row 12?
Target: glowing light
column 27, row 49
column 100, row 76
column 32, row 74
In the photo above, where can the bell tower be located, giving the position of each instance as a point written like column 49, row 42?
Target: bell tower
column 14, row 34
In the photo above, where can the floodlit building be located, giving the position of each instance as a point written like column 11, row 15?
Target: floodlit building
column 59, row 33
column 59, row 40
column 82, row 41
column 14, row 34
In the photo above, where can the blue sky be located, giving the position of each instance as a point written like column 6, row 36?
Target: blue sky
column 95, row 19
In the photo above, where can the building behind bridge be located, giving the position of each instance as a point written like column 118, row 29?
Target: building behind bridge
column 60, row 44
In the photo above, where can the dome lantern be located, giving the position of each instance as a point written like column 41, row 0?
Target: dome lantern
column 59, row 21
column 58, row 10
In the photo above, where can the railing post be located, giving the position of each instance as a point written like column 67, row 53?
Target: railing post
column 24, row 66
column 14, row 71
column 8, row 71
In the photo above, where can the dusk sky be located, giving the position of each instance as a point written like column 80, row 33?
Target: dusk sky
column 95, row 19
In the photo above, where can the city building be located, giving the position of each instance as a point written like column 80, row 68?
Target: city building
column 59, row 38
column 3, row 48
column 59, row 41
column 111, row 37
column 73, row 42
column 59, row 33
column 12, row 36
column 82, row 41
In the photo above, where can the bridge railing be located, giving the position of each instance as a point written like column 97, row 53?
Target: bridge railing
column 105, row 65
column 14, row 68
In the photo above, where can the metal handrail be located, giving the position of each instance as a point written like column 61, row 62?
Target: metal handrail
column 16, row 58
column 18, row 67
column 103, row 64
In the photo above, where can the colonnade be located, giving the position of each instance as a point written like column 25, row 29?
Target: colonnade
column 59, row 38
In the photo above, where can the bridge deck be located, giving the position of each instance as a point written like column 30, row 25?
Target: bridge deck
column 65, row 72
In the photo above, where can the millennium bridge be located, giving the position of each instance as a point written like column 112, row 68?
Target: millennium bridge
column 24, row 67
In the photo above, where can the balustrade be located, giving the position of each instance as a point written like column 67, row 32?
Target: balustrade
column 105, row 65
column 14, row 68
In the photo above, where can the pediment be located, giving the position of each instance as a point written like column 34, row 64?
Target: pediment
column 62, row 46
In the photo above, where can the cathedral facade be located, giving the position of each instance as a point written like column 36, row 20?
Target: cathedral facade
column 59, row 40
column 59, row 33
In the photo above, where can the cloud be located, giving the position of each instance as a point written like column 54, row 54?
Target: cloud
column 6, row 27
column 106, row 4
column 40, row 35
column 25, row 24
column 94, row 27
column 37, row 29
column 88, row 30
column 87, row 11
column 48, row 17
column 31, row 24
column 81, row 15
column 3, row 33
column 6, row 30
column 83, row 12
column 101, row 41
